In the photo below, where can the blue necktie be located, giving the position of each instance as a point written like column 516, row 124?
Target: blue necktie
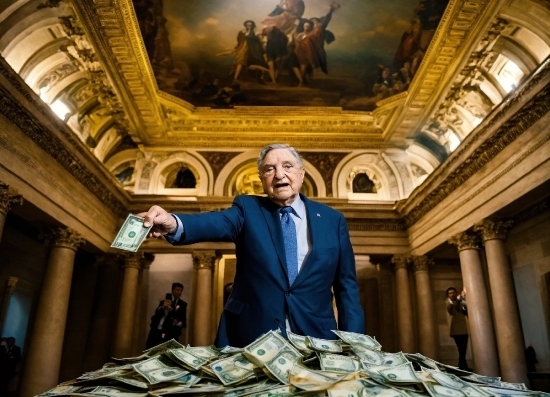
column 291, row 243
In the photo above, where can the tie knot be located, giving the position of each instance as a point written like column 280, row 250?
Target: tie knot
column 287, row 210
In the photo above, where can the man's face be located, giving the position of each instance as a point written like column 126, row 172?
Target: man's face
column 176, row 292
column 452, row 294
column 10, row 342
column 281, row 176
column 307, row 27
column 249, row 26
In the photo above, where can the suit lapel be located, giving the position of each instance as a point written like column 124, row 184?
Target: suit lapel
column 273, row 220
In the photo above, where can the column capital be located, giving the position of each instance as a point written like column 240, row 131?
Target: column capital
column 400, row 261
column 133, row 260
column 421, row 263
column 204, row 259
column 491, row 230
column 8, row 198
column 12, row 283
column 64, row 237
column 465, row 241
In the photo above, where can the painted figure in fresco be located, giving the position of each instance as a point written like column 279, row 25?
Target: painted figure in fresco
column 310, row 45
column 276, row 48
column 249, row 52
column 286, row 15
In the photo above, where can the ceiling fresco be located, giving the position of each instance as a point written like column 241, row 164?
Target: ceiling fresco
column 349, row 53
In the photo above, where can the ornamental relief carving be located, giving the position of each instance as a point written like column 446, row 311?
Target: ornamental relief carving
column 8, row 198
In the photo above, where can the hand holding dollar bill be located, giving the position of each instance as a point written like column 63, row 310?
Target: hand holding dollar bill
column 131, row 234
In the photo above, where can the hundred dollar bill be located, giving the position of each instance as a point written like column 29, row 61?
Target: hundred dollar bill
column 323, row 345
column 187, row 359
column 281, row 365
column 353, row 338
column 339, row 363
column 131, row 234
column 229, row 373
column 400, row 374
column 265, row 348
column 158, row 369
column 299, row 342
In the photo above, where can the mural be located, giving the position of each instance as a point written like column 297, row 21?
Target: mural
column 349, row 53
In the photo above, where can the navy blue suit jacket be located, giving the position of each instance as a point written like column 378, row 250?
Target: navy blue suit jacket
column 261, row 295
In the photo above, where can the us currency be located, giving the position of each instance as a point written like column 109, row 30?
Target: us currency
column 448, row 380
column 323, row 345
column 113, row 391
column 423, row 360
column 281, row 391
column 400, row 374
column 347, row 389
column 131, row 234
column 158, row 370
column 511, row 386
column 495, row 391
column 205, row 352
column 186, row 358
column 229, row 373
column 299, row 342
column 310, row 380
column 265, row 348
column 372, row 389
column 281, row 365
column 489, row 380
column 436, row 390
column 336, row 362
column 353, row 338
column 129, row 381
column 61, row 390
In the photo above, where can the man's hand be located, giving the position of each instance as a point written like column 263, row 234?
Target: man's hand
column 163, row 223
column 167, row 303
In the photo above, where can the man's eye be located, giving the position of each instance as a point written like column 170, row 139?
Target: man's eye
column 288, row 167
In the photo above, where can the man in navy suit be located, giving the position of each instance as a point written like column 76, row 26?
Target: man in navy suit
column 268, row 291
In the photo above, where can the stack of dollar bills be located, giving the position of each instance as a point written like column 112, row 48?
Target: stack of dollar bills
column 351, row 366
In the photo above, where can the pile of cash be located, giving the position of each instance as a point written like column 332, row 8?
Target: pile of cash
column 351, row 366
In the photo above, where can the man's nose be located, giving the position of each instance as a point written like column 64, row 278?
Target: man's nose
column 279, row 172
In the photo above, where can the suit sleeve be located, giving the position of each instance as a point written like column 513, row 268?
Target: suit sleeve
column 222, row 226
column 346, row 290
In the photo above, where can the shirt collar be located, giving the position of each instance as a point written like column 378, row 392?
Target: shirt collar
column 299, row 206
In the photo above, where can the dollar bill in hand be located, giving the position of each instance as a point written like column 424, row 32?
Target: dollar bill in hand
column 131, row 234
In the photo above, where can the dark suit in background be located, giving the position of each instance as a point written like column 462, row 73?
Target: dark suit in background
column 261, row 297
column 170, row 329
column 9, row 358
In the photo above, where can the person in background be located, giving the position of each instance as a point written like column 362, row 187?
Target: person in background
column 169, row 318
column 458, row 324
column 10, row 355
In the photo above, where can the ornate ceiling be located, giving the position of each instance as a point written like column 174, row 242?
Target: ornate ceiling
column 145, row 80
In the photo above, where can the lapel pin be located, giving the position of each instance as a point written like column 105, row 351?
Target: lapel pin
column 319, row 215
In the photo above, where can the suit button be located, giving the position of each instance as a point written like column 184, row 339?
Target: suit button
column 287, row 293
column 276, row 321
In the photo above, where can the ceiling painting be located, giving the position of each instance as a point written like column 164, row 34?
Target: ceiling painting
column 349, row 53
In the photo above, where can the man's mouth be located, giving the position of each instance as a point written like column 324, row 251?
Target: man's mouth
column 280, row 185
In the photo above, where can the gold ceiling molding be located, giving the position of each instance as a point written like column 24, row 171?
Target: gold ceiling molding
column 112, row 27
column 459, row 30
column 46, row 139
column 508, row 131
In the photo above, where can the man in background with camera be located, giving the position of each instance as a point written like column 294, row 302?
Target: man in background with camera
column 169, row 318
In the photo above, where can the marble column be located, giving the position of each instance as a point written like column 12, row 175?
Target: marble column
column 99, row 342
column 509, row 334
column 127, row 307
column 480, row 320
column 142, row 316
column 46, row 345
column 10, row 287
column 203, row 262
column 405, row 321
column 427, row 327
column 8, row 198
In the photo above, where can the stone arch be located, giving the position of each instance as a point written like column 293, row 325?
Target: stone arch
column 378, row 171
column 200, row 168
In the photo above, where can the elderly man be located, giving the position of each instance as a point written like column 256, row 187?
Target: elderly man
column 292, row 255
